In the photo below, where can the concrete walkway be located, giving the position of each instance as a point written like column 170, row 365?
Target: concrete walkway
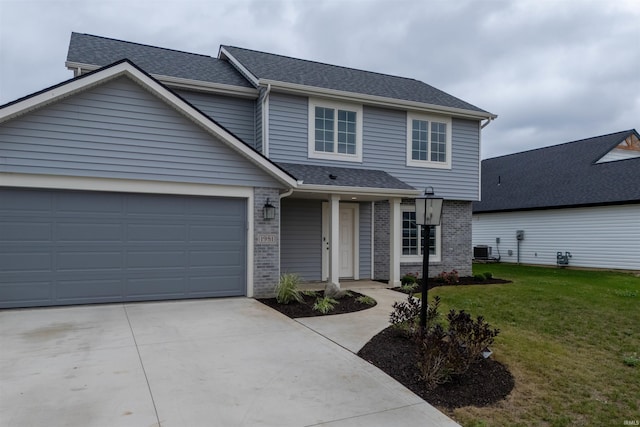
column 213, row 362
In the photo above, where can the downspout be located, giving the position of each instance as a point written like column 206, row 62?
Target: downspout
column 489, row 120
column 265, row 123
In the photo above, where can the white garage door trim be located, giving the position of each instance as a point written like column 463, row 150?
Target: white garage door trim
column 138, row 186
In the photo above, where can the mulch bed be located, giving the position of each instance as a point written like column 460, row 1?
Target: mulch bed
column 485, row 383
column 347, row 304
column 462, row 281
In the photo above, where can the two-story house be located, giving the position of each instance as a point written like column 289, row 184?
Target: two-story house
column 159, row 174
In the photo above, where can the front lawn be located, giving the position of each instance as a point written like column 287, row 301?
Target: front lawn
column 570, row 338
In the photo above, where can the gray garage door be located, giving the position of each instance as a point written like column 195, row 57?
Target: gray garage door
column 72, row 247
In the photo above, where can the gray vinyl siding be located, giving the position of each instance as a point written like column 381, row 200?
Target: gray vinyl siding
column 384, row 147
column 301, row 238
column 596, row 237
column 120, row 130
column 365, row 240
column 237, row 115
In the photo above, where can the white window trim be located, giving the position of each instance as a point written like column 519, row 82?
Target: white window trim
column 437, row 257
column 312, row 153
column 428, row 163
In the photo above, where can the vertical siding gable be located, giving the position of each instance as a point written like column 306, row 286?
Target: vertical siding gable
column 301, row 238
column 119, row 130
column 237, row 115
column 384, row 147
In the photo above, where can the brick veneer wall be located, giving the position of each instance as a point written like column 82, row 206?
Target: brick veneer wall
column 455, row 246
column 266, row 257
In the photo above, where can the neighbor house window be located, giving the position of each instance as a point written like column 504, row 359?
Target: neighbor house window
column 428, row 141
column 335, row 131
column 413, row 236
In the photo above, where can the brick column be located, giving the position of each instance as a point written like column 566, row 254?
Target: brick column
column 266, row 243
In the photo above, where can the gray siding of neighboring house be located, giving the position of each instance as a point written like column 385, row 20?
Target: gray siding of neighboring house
column 237, row 115
column 384, row 147
column 596, row 237
column 301, row 238
column 120, row 130
column 365, row 240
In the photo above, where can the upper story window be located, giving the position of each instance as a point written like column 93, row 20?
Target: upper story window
column 428, row 141
column 335, row 131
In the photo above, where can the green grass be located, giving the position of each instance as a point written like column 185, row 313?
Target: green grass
column 570, row 338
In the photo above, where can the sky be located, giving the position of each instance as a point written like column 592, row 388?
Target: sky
column 553, row 71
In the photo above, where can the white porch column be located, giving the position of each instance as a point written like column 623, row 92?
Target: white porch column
column 334, row 243
column 395, row 222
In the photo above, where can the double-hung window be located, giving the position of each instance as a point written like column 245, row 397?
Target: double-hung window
column 335, row 131
column 413, row 236
column 428, row 141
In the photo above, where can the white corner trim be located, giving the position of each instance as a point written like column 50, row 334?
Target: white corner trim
column 250, row 243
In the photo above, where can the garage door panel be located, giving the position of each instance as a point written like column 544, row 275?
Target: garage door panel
column 33, row 293
column 94, row 232
column 93, row 290
column 25, row 261
column 64, row 247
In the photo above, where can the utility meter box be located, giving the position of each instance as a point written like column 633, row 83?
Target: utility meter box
column 519, row 234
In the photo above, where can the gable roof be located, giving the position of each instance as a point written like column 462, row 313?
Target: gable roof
column 127, row 68
column 560, row 176
column 92, row 52
column 271, row 68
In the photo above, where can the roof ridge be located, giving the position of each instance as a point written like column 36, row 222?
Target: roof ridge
column 326, row 63
column 560, row 144
column 145, row 45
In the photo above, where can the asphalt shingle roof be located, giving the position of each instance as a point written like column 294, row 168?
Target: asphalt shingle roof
column 558, row 176
column 344, row 177
column 102, row 51
column 291, row 70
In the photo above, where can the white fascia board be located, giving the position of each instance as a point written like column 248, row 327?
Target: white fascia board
column 121, row 185
column 382, row 101
column 181, row 83
column 126, row 68
column 238, row 65
column 354, row 191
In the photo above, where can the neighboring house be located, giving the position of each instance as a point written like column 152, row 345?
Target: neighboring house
column 147, row 176
column 581, row 197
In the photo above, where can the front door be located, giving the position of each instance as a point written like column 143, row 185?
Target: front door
column 348, row 240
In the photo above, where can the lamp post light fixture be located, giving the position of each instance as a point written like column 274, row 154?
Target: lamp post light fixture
column 428, row 214
column 269, row 211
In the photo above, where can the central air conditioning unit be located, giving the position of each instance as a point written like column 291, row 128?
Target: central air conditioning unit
column 482, row 252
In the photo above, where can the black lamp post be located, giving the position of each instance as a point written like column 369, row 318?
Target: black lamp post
column 428, row 213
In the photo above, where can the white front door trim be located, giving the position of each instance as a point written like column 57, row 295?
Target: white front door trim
column 328, row 237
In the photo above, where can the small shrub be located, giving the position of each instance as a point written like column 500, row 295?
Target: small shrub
column 287, row 289
column 488, row 275
column 632, row 360
column 446, row 352
column 406, row 315
column 365, row 299
column 324, row 305
column 448, row 278
column 478, row 277
column 409, row 279
column 409, row 288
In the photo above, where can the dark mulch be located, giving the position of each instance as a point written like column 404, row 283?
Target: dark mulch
column 485, row 383
column 462, row 281
column 348, row 304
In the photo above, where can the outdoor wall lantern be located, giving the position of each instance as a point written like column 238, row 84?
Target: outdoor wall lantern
column 428, row 214
column 269, row 211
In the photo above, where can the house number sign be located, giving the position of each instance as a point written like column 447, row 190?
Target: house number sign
column 267, row 239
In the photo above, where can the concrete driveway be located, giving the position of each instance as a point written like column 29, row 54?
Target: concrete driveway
column 214, row 362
